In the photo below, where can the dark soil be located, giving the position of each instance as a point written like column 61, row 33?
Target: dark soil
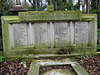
column 91, row 65
column 44, row 69
column 11, row 67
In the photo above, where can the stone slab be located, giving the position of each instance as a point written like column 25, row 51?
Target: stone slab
column 61, row 34
column 20, row 34
column 54, row 62
column 81, row 33
column 40, row 33
column 43, row 15
column 59, row 72
column 78, row 68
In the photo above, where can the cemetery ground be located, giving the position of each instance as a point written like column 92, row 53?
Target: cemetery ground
column 16, row 67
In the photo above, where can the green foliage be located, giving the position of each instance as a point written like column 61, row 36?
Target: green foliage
column 2, row 58
column 5, row 5
column 83, row 57
column 24, row 63
column 76, row 7
column 98, row 40
column 98, row 15
column 96, row 10
column 62, row 4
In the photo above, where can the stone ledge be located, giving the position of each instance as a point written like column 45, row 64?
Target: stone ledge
column 45, row 15
column 32, row 56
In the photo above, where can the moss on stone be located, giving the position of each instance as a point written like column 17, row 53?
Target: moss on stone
column 45, row 15
column 50, row 7
column 78, row 68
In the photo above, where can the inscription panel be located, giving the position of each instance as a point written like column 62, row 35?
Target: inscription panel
column 34, row 16
column 81, row 33
column 20, row 34
column 40, row 33
column 61, row 34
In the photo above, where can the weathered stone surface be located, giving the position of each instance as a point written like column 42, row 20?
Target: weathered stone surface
column 54, row 62
column 40, row 16
column 81, row 33
column 20, row 34
column 50, row 7
column 40, row 33
column 61, row 34
column 59, row 72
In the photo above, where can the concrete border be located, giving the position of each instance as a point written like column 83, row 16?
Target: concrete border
column 35, row 65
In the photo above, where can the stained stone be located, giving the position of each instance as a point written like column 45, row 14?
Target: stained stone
column 81, row 33
column 40, row 33
column 20, row 34
column 61, row 34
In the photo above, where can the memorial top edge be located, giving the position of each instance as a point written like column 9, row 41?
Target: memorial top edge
column 43, row 15
column 78, row 12
column 46, row 15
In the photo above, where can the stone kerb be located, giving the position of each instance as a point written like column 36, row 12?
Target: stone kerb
column 24, row 23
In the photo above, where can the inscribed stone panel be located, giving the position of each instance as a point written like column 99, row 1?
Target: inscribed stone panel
column 61, row 34
column 20, row 34
column 40, row 33
column 81, row 33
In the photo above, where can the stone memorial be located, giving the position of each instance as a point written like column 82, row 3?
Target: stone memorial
column 32, row 32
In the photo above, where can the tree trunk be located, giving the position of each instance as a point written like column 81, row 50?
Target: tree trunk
column 87, row 6
column 56, row 4
column 36, row 4
column 41, row 5
column 25, row 2
column 98, row 4
column 79, row 4
column 84, row 6
column 18, row 2
column 50, row 2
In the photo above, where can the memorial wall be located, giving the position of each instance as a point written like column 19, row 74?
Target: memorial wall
column 48, row 31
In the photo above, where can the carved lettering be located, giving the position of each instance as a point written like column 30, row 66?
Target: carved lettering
column 20, row 35
column 81, row 33
column 40, row 31
column 61, row 34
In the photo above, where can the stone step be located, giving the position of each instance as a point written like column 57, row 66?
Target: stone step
column 49, row 55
